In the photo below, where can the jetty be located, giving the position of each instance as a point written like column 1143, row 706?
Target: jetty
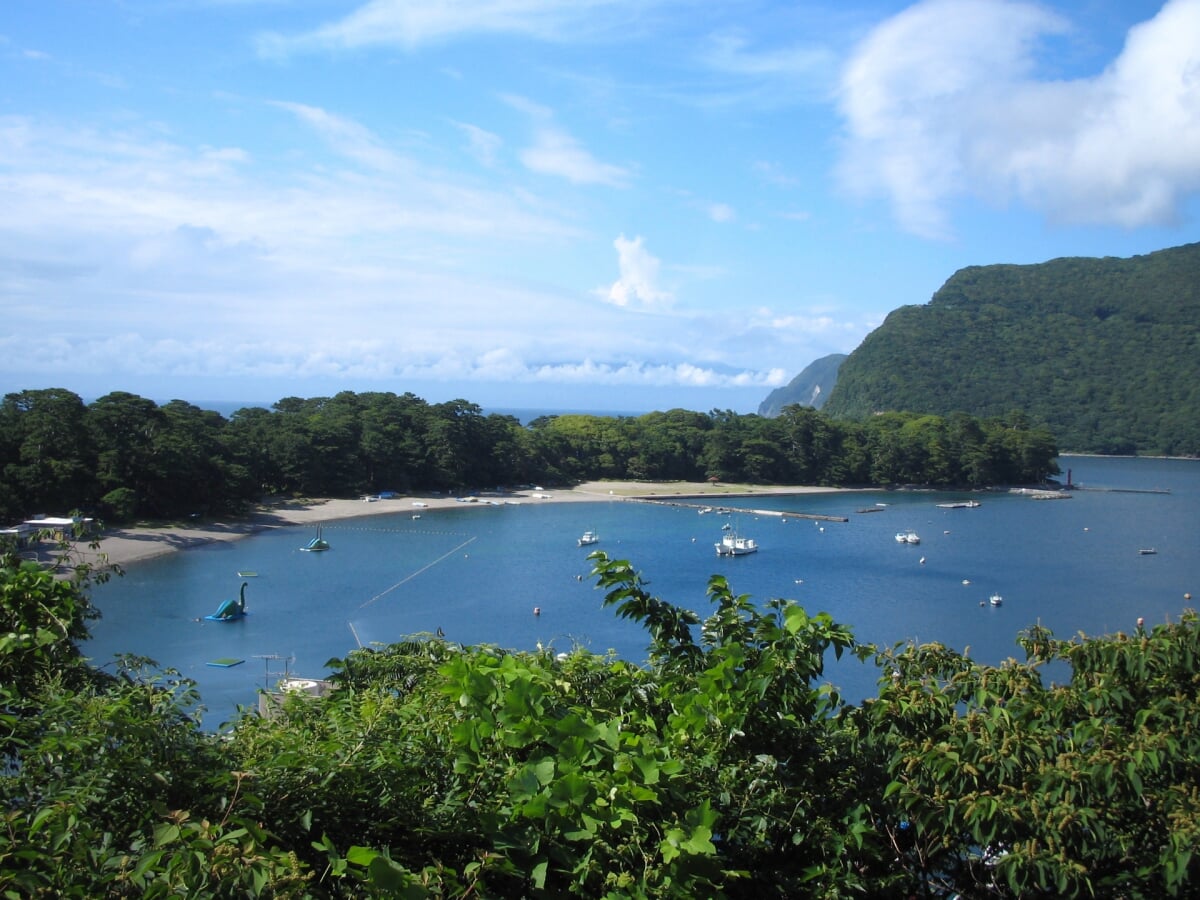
column 1117, row 490
column 738, row 510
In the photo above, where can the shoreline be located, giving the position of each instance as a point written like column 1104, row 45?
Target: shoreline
column 125, row 546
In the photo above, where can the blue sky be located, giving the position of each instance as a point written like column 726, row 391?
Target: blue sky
column 592, row 204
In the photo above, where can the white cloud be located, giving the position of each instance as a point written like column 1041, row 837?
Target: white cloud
column 943, row 101
column 637, row 286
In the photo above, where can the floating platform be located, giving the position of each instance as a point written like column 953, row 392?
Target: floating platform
column 225, row 662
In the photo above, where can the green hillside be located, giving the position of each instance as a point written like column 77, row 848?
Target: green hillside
column 1105, row 352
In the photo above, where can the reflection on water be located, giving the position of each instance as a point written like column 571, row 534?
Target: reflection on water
column 477, row 573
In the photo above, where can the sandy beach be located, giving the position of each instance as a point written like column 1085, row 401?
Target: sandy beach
column 124, row 546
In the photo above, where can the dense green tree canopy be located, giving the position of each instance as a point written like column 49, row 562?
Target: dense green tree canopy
column 123, row 457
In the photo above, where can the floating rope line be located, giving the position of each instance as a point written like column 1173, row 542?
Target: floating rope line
column 418, row 572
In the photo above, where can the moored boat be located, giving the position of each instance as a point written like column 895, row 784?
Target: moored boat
column 589, row 537
column 733, row 545
column 907, row 537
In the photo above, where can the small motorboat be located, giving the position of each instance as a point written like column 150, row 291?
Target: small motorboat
column 588, row 538
column 1147, row 551
column 995, row 600
column 907, row 537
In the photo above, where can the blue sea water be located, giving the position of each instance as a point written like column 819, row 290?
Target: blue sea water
column 477, row 573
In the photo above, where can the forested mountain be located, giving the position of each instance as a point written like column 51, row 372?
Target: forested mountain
column 1103, row 352
column 810, row 388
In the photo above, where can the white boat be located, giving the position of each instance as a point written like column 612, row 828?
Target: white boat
column 732, row 545
column 589, row 537
column 907, row 537
column 995, row 600
column 960, row 504
column 1147, row 551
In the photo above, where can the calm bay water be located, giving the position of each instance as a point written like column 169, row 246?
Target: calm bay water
column 477, row 572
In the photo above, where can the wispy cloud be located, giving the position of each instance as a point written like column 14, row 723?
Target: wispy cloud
column 774, row 174
column 733, row 53
column 555, row 152
column 721, row 212
column 946, row 100
column 413, row 23
column 482, row 144
column 346, row 136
